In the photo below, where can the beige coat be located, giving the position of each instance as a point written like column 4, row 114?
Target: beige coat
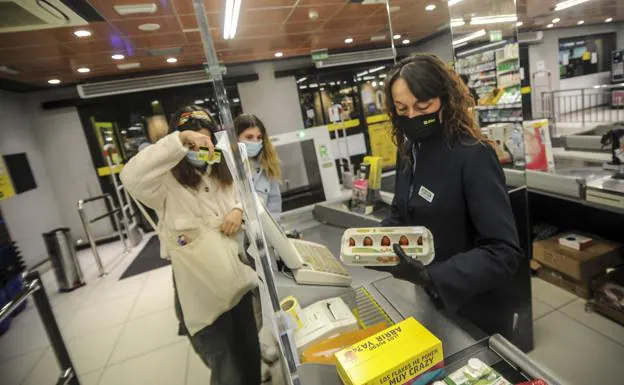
column 192, row 214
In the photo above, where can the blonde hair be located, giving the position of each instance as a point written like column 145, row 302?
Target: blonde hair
column 269, row 160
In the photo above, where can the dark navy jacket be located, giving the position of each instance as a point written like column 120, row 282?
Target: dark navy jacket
column 459, row 194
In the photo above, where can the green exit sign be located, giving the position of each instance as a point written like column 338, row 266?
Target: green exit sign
column 496, row 35
column 319, row 55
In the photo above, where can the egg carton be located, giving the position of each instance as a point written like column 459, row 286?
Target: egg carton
column 372, row 246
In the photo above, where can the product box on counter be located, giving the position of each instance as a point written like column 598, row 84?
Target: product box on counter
column 580, row 265
column 579, row 288
column 401, row 354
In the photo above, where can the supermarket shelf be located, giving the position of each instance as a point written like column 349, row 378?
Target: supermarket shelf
column 499, row 106
column 511, row 85
column 506, row 60
column 473, row 70
column 508, row 71
column 485, row 85
column 498, row 120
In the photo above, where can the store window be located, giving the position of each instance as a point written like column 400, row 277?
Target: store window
column 585, row 55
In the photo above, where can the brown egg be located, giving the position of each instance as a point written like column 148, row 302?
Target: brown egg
column 385, row 241
column 419, row 241
column 368, row 241
column 403, row 241
column 351, row 242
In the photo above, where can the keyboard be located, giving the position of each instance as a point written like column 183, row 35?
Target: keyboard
column 320, row 266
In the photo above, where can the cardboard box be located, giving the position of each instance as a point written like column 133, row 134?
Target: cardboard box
column 580, row 265
column 397, row 355
column 580, row 288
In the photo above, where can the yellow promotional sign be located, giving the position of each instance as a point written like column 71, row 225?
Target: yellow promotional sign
column 6, row 184
column 382, row 144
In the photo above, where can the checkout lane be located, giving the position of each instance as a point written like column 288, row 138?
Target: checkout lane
column 400, row 299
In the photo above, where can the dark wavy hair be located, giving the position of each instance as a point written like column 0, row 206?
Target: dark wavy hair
column 185, row 173
column 428, row 77
column 268, row 158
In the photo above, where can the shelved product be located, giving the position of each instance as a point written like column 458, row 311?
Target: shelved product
column 481, row 71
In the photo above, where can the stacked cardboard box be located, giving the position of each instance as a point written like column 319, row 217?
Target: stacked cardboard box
column 574, row 270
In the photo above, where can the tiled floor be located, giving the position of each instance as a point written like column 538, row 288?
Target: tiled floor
column 124, row 332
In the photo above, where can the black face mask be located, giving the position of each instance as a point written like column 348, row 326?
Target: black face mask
column 422, row 127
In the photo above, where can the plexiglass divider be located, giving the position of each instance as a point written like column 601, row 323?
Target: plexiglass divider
column 228, row 141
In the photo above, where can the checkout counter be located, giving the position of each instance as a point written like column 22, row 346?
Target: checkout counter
column 398, row 300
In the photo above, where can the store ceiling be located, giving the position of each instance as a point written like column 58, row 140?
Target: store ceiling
column 265, row 28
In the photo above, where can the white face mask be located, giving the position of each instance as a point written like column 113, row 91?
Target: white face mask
column 253, row 148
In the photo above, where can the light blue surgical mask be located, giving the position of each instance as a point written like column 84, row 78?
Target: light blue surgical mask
column 193, row 158
column 253, row 148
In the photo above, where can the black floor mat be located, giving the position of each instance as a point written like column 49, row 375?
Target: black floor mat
column 148, row 259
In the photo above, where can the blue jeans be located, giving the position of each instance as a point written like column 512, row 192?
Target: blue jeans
column 230, row 346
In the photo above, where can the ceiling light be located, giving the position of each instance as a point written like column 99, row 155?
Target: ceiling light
column 580, row 22
column 493, row 19
column 172, row 60
column 556, row 20
column 83, row 70
column 609, row 20
column 54, row 81
column 430, row 7
column 396, row 37
column 453, row 2
column 134, row 9
column 457, row 22
column 482, row 48
column 322, row 88
column 313, row 85
column 232, row 11
column 148, row 27
column 376, row 69
column 381, row 84
column 279, row 54
column 519, row 24
column 118, row 56
column 303, row 87
column 568, row 3
column 198, row 101
column 82, row 33
column 128, row 66
column 303, row 79
column 360, row 74
column 550, row 25
column 374, row 84
column 406, row 41
column 470, row 36
column 349, row 40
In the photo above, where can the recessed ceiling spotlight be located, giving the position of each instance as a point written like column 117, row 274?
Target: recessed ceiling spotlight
column 54, row 81
column 313, row 15
column 279, row 54
column 172, row 60
column 518, row 24
column 396, row 37
column 349, row 40
column 580, row 22
column 430, row 7
column 550, row 25
column 83, row 70
column 118, row 56
column 556, row 20
column 609, row 20
column 406, row 41
column 82, row 33
column 149, row 27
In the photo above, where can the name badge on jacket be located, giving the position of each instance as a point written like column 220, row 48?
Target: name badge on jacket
column 426, row 194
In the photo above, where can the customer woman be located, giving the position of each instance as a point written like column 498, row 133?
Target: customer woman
column 265, row 163
column 199, row 215
column 450, row 181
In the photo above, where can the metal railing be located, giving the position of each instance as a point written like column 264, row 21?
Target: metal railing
column 33, row 287
column 86, row 224
column 586, row 106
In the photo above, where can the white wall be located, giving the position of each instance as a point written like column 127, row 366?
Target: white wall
column 276, row 103
column 441, row 45
column 33, row 212
column 68, row 161
column 548, row 52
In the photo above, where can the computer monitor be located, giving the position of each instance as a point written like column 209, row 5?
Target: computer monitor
column 276, row 236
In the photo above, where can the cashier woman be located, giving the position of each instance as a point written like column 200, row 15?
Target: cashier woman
column 450, row 181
